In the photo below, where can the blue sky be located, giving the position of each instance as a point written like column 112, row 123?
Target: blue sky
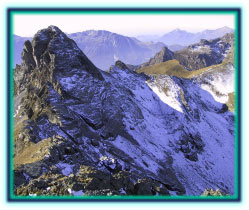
column 130, row 25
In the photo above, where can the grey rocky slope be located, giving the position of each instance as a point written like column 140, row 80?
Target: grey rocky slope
column 99, row 133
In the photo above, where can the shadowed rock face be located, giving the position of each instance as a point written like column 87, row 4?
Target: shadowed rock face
column 52, row 47
column 99, row 133
column 27, row 55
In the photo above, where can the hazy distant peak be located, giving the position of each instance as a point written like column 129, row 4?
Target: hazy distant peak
column 98, row 33
column 177, row 30
column 226, row 28
column 185, row 38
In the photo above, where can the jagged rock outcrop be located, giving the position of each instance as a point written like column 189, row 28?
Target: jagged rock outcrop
column 99, row 133
column 164, row 55
column 205, row 53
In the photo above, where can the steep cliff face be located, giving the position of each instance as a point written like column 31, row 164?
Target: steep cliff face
column 81, row 131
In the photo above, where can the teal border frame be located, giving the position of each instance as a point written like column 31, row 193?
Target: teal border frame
column 124, row 11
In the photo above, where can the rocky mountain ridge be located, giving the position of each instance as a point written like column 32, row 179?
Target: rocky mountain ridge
column 203, row 54
column 116, row 133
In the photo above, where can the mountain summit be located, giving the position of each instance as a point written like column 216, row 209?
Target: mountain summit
column 164, row 55
column 52, row 46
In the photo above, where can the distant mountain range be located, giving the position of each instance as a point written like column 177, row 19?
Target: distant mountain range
column 147, row 38
column 176, row 47
column 103, row 48
column 184, row 38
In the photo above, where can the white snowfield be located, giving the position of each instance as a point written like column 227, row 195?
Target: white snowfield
column 66, row 169
column 171, row 97
column 220, row 84
column 201, row 49
column 17, row 111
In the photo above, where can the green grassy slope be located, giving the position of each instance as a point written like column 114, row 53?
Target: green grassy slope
column 173, row 68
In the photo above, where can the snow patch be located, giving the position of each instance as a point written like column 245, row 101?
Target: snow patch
column 66, row 169
column 122, row 191
column 115, row 57
column 27, row 177
column 219, row 85
column 201, row 49
column 77, row 193
column 17, row 111
column 69, row 82
column 170, row 98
